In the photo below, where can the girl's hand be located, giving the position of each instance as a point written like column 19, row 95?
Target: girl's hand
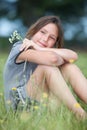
column 29, row 43
column 26, row 44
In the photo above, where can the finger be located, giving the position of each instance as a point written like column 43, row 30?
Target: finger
column 23, row 45
column 26, row 48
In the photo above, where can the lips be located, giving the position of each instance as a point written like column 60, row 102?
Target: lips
column 41, row 44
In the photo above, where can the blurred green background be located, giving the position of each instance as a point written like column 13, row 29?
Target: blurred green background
column 20, row 14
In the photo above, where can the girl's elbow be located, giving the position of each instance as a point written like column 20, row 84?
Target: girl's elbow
column 75, row 56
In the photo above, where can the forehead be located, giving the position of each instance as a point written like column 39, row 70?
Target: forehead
column 51, row 28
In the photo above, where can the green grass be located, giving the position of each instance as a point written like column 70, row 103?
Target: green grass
column 41, row 119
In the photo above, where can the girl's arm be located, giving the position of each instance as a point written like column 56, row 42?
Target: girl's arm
column 37, row 55
column 67, row 54
column 40, row 57
column 46, row 56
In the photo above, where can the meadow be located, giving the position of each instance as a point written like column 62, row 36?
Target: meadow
column 41, row 118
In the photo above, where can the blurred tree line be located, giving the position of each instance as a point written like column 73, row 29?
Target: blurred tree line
column 71, row 12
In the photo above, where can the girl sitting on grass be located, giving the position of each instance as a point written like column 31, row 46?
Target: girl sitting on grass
column 40, row 61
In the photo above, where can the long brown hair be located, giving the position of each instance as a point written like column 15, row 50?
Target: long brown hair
column 44, row 21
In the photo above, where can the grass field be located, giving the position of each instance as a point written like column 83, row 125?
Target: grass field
column 42, row 118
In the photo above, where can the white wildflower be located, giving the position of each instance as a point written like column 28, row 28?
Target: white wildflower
column 15, row 37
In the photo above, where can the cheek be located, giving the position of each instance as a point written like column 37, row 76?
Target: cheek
column 51, row 44
column 34, row 38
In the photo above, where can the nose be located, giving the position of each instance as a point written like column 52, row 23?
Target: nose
column 45, row 38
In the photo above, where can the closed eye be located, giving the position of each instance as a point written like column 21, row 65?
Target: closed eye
column 53, row 38
column 42, row 31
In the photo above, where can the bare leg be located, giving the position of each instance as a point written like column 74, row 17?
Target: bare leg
column 56, row 84
column 76, row 79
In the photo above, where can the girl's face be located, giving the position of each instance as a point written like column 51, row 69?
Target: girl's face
column 46, row 36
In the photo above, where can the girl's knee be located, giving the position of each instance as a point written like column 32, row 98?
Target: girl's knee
column 46, row 68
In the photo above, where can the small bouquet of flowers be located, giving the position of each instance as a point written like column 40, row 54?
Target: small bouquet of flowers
column 15, row 37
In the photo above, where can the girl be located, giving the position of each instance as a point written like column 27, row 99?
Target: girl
column 41, row 62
